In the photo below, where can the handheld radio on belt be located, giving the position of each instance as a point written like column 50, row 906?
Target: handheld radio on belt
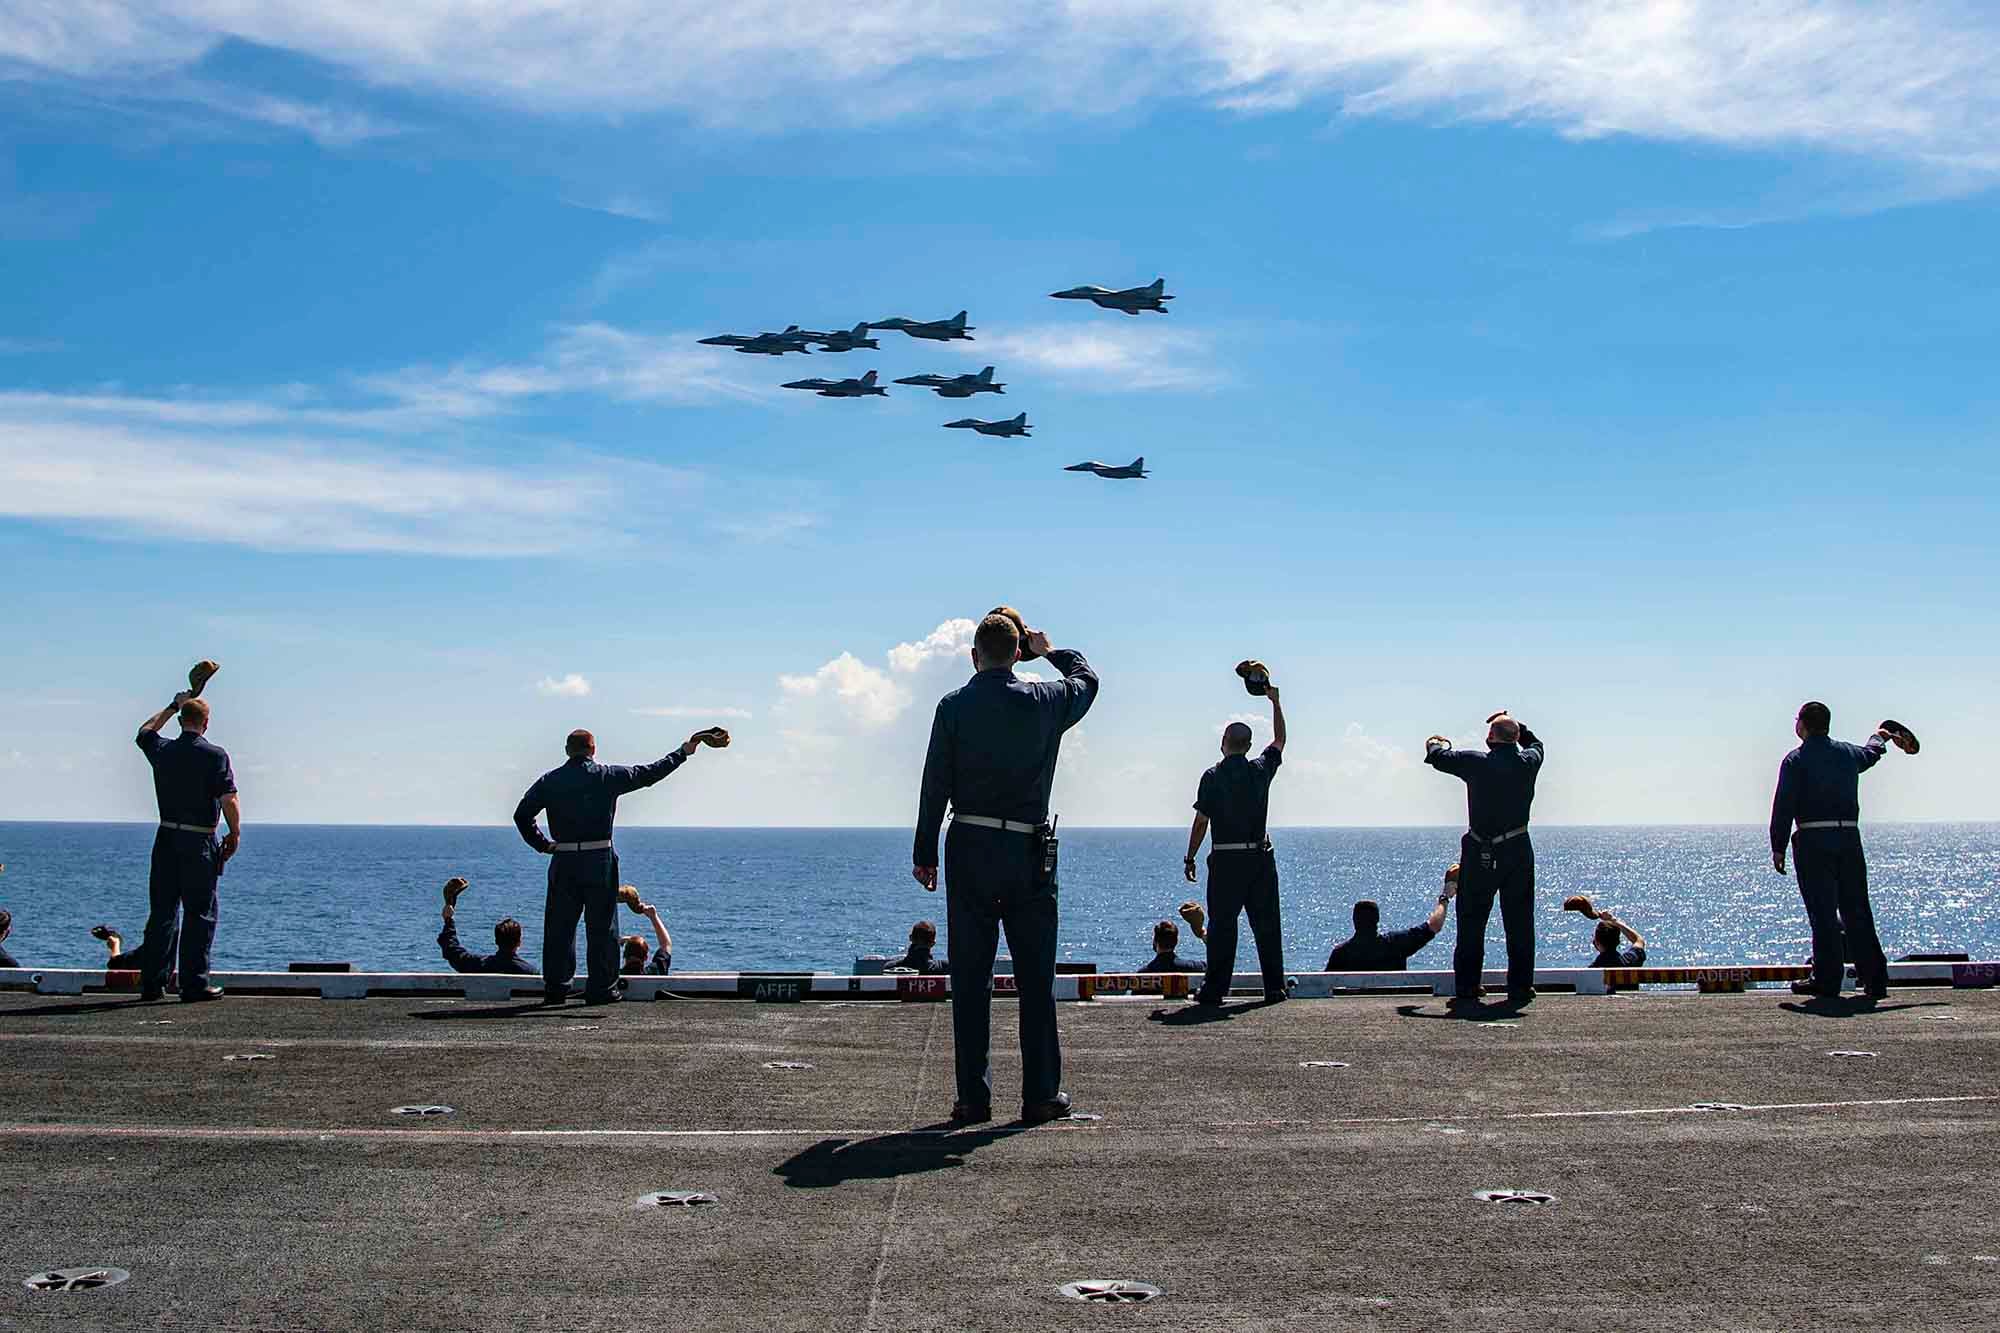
column 1048, row 851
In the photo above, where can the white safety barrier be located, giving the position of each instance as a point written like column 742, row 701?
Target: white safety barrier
column 800, row 986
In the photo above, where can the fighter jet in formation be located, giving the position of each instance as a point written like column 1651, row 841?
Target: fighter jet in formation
column 1129, row 301
column 937, row 330
column 956, row 386
column 849, row 388
column 1016, row 426
column 1132, row 471
column 841, row 340
column 793, row 339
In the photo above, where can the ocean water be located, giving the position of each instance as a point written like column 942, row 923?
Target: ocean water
column 817, row 898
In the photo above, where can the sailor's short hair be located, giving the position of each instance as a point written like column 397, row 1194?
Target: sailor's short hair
column 997, row 640
column 1815, row 717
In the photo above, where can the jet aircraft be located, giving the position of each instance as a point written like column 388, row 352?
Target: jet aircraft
column 1017, row 426
column 956, row 386
column 841, row 340
column 1132, row 471
column 1129, row 300
column 793, row 339
column 849, row 388
column 937, row 330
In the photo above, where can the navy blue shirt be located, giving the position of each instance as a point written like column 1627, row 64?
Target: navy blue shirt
column 920, row 960
column 1819, row 780
column 1376, row 952
column 658, row 965
column 1499, row 783
column 1236, row 795
column 994, row 743
column 7, row 959
column 463, row 959
column 1632, row 957
column 1172, row 962
column 190, row 777
column 582, row 798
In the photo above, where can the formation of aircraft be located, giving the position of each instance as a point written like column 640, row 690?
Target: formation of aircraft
column 848, row 388
column 842, row 340
column 1127, row 300
column 1011, row 426
column 956, row 386
column 793, row 339
column 1132, row 471
column 936, row 330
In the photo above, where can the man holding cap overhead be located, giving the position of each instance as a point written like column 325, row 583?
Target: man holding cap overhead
column 196, row 789
column 581, row 798
column 992, row 758
column 1234, row 801
column 1819, row 791
column 1496, row 857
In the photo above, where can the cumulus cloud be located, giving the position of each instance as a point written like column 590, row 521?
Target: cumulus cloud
column 864, row 693
column 1111, row 357
column 1913, row 81
column 952, row 639
column 571, row 686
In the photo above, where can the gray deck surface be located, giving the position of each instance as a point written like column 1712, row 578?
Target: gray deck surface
column 1258, row 1194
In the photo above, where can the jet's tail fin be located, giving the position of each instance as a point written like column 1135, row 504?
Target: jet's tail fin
column 958, row 320
column 860, row 330
column 1159, row 285
column 986, row 375
column 1021, row 420
column 1139, row 463
column 869, row 378
column 791, row 328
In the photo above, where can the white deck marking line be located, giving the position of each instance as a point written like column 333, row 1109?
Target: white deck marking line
column 461, row 1135
column 896, row 1196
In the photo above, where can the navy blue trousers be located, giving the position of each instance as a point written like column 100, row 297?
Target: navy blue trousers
column 582, row 885
column 181, row 890
column 1240, row 884
column 1833, row 880
column 989, row 887
column 1511, row 879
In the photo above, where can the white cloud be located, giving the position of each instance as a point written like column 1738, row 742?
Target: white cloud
column 952, row 640
column 329, row 126
column 571, row 686
column 865, row 693
column 1111, row 357
column 289, row 493
column 1916, row 81
column 693, row 710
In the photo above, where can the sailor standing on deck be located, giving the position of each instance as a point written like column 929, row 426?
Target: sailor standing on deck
column 581, row 798
column 196, row 789
column 1496, row 856
column 1234, row 801
column 992, row 758
column 1819, row 791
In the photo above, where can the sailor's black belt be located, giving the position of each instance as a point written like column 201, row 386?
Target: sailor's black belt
column 1829, row 823
column 1004, row 825
column 1263, row 846
column 602, row 844
column 1499, row 838
column 188, row 828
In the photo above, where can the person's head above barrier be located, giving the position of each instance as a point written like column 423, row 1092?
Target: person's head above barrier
column 635, row 950
column 1605, row 938
column 6, row 923
column 194, row 715
column 1236, row 738
column 1503, row 730
column 923, row 935
column 1166, row 937
column 507, row 934
column 1367, row 916
column 1815, row 719
column 580, row 744
column 996, row 643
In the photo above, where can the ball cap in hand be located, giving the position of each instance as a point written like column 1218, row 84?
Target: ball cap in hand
column 1905, row 739
column 1578, row 902
column 629, row 895
column 1256, row 676
column 199, row 674
column 454, row 886
column 1020, row 627
column 714, row 736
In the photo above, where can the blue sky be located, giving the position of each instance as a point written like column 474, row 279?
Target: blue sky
column 1627, row 365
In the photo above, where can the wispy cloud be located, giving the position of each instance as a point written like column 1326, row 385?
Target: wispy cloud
column 630, row 206
column 1916, row 81
column 694, row 710
column 571, row 686
column 1111, row 357
column 288, row 493
column 28, row 346
column 329, row 126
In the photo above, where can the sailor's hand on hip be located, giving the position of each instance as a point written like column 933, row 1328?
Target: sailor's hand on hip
column 926, row 876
